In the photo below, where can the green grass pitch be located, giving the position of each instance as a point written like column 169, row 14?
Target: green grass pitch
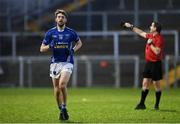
column 94, row 105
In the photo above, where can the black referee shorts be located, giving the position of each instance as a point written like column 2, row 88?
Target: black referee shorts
column 153, row 70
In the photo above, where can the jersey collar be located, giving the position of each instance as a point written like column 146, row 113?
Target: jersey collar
column 61, row 30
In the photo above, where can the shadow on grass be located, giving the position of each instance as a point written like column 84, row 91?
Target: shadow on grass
column 168, row 110
column 69, row 121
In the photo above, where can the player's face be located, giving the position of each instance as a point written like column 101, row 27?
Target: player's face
column 152, row 27
column 60, row 20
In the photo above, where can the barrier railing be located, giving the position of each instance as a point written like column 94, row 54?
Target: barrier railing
column 114, row 34
column 25, row 72
column 89, row 70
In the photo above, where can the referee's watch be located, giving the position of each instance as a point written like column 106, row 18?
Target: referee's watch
column 132, row 26
column 150, row 43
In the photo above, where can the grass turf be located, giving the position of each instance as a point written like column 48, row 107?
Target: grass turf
column 94, row 105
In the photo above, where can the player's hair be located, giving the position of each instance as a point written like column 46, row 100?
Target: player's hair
column 62, row 12
column 158, row 27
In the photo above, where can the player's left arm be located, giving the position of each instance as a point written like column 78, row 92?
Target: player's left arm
column 78, row 45
column 155, row 49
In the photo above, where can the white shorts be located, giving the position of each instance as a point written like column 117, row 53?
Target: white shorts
column 57, row 68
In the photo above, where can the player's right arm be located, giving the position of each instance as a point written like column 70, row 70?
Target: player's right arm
column 44, row 47
column 135, row 29
column 46, row 43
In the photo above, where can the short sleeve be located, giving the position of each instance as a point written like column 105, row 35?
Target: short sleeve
column 47, row 38
column 75, row 37
column 159, row 42
column 148, row 35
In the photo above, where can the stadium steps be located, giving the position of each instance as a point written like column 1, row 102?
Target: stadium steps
column 35, row 25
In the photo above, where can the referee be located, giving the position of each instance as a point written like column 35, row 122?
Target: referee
column 154, row 51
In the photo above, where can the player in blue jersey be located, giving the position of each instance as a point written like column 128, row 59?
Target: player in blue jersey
column 59, row 41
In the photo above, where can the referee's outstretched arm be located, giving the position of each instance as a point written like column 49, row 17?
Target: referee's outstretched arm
column 140, row 32
column 135, row 29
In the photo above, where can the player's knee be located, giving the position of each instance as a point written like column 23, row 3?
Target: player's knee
column 56, row 89
column 62, row 85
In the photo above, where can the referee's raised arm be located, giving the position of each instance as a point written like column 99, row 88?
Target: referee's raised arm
column 135, row 29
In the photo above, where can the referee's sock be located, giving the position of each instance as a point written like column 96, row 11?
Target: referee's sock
column 158, row 96
column 143, row 95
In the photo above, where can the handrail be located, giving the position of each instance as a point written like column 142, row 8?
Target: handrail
column 115, row 35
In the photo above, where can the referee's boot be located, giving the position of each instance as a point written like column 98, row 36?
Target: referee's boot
column 156, row 107
column 140, row 106
column 63, row 114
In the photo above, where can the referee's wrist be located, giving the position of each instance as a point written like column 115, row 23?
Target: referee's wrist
column 132, row 26
column 150, row 44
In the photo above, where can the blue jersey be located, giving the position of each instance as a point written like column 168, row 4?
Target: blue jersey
column 61, row 44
